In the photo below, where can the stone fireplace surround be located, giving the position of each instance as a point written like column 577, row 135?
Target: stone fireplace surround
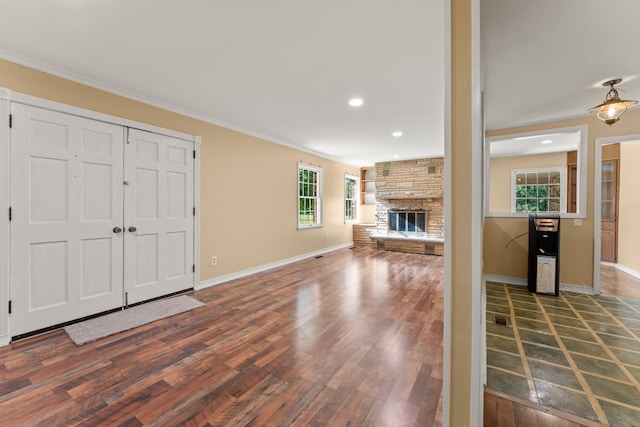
column 410, row 185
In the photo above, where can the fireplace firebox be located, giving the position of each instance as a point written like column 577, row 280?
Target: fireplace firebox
column 407, row 221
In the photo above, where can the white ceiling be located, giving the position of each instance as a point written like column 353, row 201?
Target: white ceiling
column 537, row 143
column 285, row 69
column 546, row 59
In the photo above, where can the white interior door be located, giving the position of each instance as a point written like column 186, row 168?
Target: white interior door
column 159, row 220
column 66, row 201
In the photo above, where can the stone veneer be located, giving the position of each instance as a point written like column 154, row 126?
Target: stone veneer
column 362, row 233
column 411, row 185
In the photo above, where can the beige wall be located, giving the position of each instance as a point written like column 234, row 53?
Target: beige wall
column 500, row 175
column 248, row 185
column 576, row 242
column 629, row 208
column 367, row 214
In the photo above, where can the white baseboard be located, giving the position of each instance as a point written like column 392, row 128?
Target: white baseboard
column 630, row 271
column 519, row 281
column 576, row 289
column 240, row 274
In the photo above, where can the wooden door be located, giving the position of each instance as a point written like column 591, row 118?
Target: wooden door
column 609, row 204
column 66, row 202
column 159, row 203
column 572, row 181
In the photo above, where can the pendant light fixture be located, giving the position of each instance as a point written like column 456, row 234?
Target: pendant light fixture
column 613, row 107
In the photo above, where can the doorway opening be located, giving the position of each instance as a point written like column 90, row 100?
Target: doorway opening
column 616, row 228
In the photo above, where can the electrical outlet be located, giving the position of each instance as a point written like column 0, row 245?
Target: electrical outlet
column 214, row 260
column 577, row 222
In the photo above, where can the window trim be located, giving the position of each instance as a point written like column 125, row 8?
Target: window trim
column 355, row 198
column 582, row 195
column 563, row 187
column 318, row 198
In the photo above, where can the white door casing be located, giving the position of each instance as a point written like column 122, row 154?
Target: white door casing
column 159, row 205
column 66, row 200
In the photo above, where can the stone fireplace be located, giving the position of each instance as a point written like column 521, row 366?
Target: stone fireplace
column 409, row 212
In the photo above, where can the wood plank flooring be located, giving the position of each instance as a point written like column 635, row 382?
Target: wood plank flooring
column 502, row 412
column 617, row 283
column 350, row 338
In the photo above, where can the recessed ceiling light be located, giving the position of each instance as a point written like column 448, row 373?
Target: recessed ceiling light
column 397, row 134
column 546, row 141
column 356, row 102
column 396, row 156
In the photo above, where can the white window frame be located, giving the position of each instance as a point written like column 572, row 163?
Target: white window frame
column 563, row 186
column 317, row 198
column 354, row 198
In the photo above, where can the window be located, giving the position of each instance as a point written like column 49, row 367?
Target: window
column 539, row 190
column 350, row 198
column 563, row 148
column 309, row 196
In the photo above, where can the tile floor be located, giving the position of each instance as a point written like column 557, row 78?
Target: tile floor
column 576, row 353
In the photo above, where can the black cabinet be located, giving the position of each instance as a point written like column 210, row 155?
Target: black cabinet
column 544, row 253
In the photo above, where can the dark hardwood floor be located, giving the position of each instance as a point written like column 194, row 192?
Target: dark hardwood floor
column 350, row 338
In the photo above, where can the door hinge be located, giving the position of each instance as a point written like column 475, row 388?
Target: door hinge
column 10, row 213
column 194, row 211
column 194, row 268
column 194, row 154
column 10, row 120
column 9, row 306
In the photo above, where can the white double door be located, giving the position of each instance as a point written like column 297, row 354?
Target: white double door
column 102, row 216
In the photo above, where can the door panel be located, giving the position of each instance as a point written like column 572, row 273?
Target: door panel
column 159, row 200
column 609, row 211
column 97, row 277
column 48, row 189
column 176, row 195
column 176, row 248
column 97, row 192
column 146, row 258
column 145, row 185
column 66, row 198
column 48, row 278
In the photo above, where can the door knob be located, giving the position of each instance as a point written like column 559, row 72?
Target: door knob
column 117, row 229
column 132, row 229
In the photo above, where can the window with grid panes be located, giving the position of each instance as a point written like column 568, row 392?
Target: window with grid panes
column 539, row 190
column 351, row 187
column 309, row 196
